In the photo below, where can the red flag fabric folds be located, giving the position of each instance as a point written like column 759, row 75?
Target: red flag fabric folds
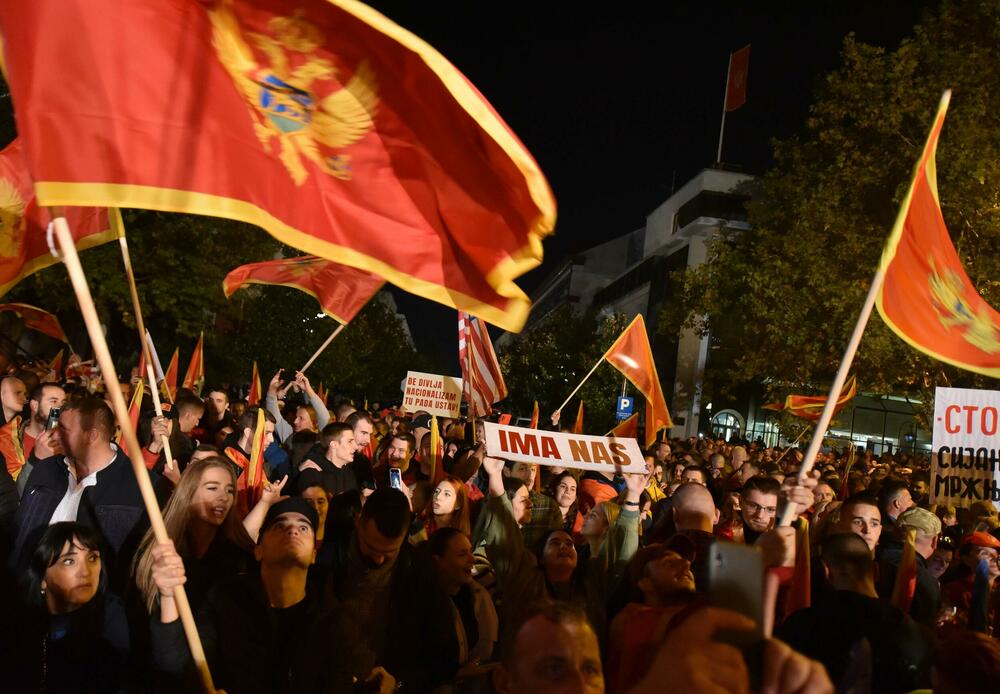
column 37, row 319
column 23, row 223
column 739, row 71
column 194, row 378
column 336, row 130
column 341, row 290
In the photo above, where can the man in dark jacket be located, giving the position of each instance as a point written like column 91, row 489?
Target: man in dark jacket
column 927, row 594
column 389, row 592
column 853, row 633
column 269, row 632
column 91, row 483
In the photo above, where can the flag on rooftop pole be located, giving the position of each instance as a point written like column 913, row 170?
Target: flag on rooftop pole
column 736, row 89
column 482, row 379
column 24, row 248
column 336, row 130
column 341, row 290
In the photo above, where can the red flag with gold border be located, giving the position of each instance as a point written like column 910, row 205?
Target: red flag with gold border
column 341, row 290
column 578, row 424
column 37, row 319
column 169, row 383
column 24, row 248
column 254, row 395
column 11, row 446
column 927, row 298
column 323, row 122
column 627, row 428
column 810, row 407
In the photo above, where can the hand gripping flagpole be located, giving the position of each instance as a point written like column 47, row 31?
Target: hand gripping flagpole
column 79, row 280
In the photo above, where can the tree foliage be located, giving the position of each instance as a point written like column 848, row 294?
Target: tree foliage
column 788, row 293
column 547, row 361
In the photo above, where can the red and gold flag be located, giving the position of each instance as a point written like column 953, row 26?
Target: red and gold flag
column 739, row 71
column 341, row 290
column 56, row 365
column 250, row 485
column 632, row 355
column 194, row 378
column 24, row 248
column 534, row 416
column 254, row 396
column 626, row 429
column 578, row 424
column 927, row 298
column 37, row 319
column 169, row 383
column 134, row 408
column 436, row 452
column 11, row 446
column 810, row 407
column 905, row 586
column 336, row 130
column 799, row 595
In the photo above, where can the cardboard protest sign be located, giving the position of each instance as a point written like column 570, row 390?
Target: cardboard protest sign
column 601, row 453
column 965, row 452
column 431, row 393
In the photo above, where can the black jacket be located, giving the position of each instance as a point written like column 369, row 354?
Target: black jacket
column 252, row 648
column 926, row 597
column 113, row 506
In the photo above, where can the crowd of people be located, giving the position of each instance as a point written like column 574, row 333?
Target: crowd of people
column 367, row 561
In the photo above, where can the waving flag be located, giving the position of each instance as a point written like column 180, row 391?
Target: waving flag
column 337, row 131
column 626, row 429
column 37, row 319
column 254, row 396
column 56, row 365
column 11, row 446
column 905, row 586
column 169, row 383
column 23, row 223
column 578, row 424
column 927, row 298
column 810, row 407
column 194, row 378
column 341, row 290
column 250, row 485
column 736, row 85
column 134, row 408
column 632, row 355
column 534, row 417
column 482, row 379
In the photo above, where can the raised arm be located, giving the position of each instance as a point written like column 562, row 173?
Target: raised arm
column 282, row 429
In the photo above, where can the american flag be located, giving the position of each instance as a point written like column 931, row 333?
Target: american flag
column 482, row 380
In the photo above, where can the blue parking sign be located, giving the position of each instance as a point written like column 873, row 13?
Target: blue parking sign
column 625, row 407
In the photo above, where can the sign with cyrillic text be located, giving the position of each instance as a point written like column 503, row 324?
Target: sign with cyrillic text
column 433, row 394
column 965, row 452
column 601, row 453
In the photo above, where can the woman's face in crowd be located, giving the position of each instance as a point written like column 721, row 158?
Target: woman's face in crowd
column 72, row 581
column 455, row 564
column 939, row 562
column 521, row 503
column 444, row 499
column 594, row 523
column 316, row 496
column 214, row 497
column 566, row 492
column 559, row 551
column 302, row 421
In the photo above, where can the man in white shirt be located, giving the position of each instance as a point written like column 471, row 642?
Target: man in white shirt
column 91, row 482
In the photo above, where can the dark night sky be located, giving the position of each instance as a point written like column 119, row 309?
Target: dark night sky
column 617, row 100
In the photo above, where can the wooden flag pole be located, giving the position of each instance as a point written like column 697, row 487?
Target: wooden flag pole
column 591, row 373
column 76, row 275
column 794, row 443
column 791, row 510
column 164, row 439
column 322, row 347
column 134, row 291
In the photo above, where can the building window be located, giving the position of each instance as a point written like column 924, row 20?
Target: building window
column 727, row 425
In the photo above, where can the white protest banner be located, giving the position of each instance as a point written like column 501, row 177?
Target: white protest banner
column 601, row 453
column 966, row 448
column 433, row 394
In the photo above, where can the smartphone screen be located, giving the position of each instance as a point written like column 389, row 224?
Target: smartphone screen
column 395, row 478
column 736, row 582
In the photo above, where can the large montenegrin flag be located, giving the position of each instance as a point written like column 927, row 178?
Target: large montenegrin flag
column 927, row 298
column 321, row 121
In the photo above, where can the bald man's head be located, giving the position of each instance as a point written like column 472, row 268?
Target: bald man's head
column 694, row 508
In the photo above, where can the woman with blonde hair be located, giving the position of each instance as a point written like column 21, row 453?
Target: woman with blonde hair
column 208, row 534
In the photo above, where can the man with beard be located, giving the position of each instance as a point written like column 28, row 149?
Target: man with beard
column 43, row 398
column 389, row 593
column 661, row 574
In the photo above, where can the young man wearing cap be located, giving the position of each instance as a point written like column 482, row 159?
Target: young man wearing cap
column 927, row 596
column 661, row 574
column 265, row 632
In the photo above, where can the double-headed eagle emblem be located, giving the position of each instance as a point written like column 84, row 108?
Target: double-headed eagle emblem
column 953, row 310
column 283, row 101
column 12, row 220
